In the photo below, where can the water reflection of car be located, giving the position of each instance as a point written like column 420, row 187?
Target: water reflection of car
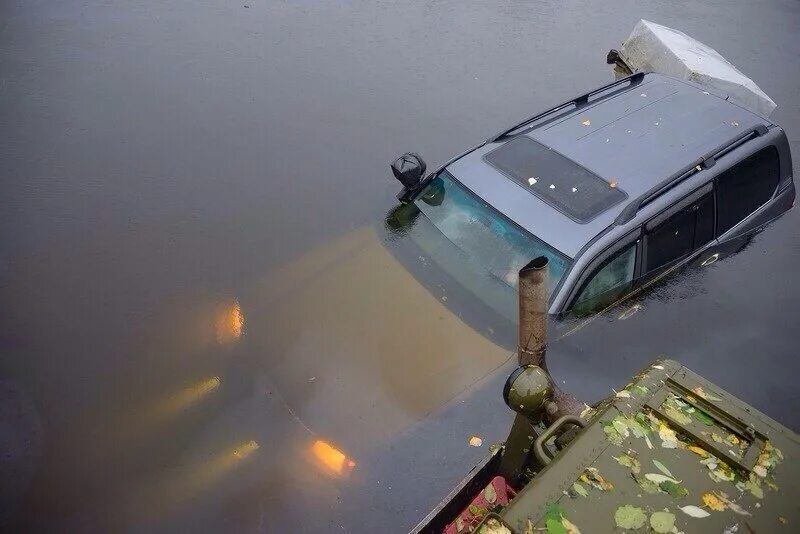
column 617, row 188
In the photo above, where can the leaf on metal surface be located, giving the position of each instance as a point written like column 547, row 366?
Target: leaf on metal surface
column 707, row 396
column 629, row 462
column 554, row 526
column 675, row 491
column 663, row 468
column 735, row 508
column 703, row 417
column 580, row 490
column 490, row 494
column 662, row 522
column 754, row 487
column 630, row 517
column 554, row 511
column 621, row 427
column 713, row 502
column 646, row 485
column 677, row 415
column 694, row 511
column 717, row 438
column 593, row 477
column 570, row 527
column 697, row 450
column 659, row 478
column 493, row 526
column 611, row 433
column 529, row 527
column 477, row 511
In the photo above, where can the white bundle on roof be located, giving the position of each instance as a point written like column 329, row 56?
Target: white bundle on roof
column 656, row 48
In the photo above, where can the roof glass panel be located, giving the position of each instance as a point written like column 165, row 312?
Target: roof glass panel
column 555, row 179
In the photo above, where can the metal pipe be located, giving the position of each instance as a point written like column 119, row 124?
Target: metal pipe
column 532, row 343
column 532, row 339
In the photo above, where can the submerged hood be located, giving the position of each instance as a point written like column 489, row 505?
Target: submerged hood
column 359, row 348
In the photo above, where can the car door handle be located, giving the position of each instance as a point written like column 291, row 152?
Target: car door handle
column 711, row 259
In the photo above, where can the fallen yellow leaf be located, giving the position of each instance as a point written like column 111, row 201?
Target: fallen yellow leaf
column 713, row 502
column 697, row 450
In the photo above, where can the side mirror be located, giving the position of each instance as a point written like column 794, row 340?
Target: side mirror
column 409, row 169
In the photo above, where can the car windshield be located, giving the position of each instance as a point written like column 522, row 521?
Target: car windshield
column 488, row 240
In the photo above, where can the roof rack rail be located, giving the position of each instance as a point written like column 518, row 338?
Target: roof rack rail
column 579, row 101
column 704, row 162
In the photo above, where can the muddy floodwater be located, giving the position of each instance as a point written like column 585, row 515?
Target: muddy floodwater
column 206, row 322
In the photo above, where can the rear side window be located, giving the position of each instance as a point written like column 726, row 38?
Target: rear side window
column 687, row 230
column 671, row 240
column 745, row 187
column 704, row 231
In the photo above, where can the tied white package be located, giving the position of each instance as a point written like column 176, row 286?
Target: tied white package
column 656, row 48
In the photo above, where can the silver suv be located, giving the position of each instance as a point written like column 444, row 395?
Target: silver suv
column 617, row 188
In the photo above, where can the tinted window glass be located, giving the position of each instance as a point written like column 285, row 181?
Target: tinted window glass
column 612, row 278
column 704, row 229
column 745, row 187
column 555, row 179
column 671, row 240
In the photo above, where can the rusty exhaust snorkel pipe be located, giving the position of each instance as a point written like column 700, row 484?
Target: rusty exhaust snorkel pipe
column 532, row 336
column 530, row 391
column 532, row 342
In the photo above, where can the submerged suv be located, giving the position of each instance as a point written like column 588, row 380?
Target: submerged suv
column 617, row 188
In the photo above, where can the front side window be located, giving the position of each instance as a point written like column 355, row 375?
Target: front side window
column 745, row 187
column 611, row 280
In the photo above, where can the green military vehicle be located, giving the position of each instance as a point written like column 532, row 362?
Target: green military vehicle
column 669, row 452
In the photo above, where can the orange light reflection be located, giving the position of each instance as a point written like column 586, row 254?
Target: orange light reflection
column 230, row 323
column 332, row 459
column 188, row 396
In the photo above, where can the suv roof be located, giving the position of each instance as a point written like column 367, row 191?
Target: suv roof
column 632, row 137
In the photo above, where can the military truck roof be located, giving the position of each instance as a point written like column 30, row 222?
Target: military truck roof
column 565, row 179
column 671, row 447
column 669, row 452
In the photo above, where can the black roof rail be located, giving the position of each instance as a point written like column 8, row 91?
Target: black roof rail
column 578, row 101
column 704, row 162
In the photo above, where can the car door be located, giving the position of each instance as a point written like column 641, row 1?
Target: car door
column 608, row 279
column 743, row 193
column 682, row 234
column 742, row 200
column 667, row 242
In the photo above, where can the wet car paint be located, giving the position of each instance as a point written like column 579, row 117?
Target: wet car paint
column 161, row 162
